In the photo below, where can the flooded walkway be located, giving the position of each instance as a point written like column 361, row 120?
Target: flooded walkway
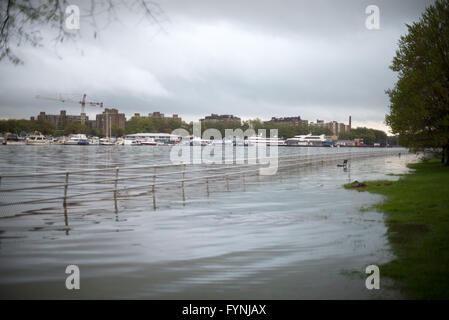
column 295, row 235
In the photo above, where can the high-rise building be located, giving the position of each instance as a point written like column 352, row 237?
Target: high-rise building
column 221, row 118
column 157, row 115
column 294, row 121
column 110, row 119
column 335, row 127
column 59, row 120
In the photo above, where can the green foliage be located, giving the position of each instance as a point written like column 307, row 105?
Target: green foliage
column 418, row 229
column 222, row 126
column 288, row 130
column 95, row 132
column 76, row 127
column 150, row 124
column 26, row 126
column 369, row 136
column 117, row 132
column 43, row 127
column 419, row 109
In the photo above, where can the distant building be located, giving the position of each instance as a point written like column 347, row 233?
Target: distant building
column 221, row 118
column 294, row 121
column 91, row 124
column 59, row 120
column 335, row 127
column 157, row 115
column 109, row 119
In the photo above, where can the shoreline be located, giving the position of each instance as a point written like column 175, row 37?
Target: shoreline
column 417, row 223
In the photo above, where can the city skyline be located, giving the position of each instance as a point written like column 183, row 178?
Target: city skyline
column 92, row 117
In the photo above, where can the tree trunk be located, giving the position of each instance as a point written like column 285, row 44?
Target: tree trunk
column 442, row 155
column 447, row 155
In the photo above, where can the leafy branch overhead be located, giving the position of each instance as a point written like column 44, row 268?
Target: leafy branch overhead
column 419, row 102
column 34, row 21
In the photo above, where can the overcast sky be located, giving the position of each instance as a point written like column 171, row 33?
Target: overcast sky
column 250, row 58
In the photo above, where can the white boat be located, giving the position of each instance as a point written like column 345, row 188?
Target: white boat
column 94, row 140
column 222, row 142
column 160, row 138
column 131, row 141
column 196, row 141
column 149, row 142
column 37, row 139
column 270, row 141
column 14, row 140
column 106, row 142
column 308, row 140
column 77, row 139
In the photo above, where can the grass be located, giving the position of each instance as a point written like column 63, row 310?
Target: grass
column 417, row 216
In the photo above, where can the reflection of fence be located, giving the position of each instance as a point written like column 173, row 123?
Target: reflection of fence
column 34, row 188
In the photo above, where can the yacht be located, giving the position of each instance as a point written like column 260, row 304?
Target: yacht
column 94, row 140
column 269, row 141
column 160, row 138
column 14, row 139
column 77, row 139
column 222, row 142
column 308, row 140
column 106, row 142
column 130, row 141
column 149, row 142
column 196, row 141
column 37, row 138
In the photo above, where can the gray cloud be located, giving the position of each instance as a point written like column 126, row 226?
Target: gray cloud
column 250, row 58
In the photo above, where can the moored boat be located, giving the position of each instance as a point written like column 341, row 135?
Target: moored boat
column 106, row 142
column 149, row 142
column 37, row 138
column 77, row 139
column 14, row 140
column 308, row 140
column 269, row 141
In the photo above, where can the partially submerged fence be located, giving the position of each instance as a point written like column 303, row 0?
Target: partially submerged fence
column 119, row 182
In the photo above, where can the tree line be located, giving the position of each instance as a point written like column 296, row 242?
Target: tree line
column 136, row 125
column 369, row 136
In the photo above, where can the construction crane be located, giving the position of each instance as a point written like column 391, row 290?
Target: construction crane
column 83, row 103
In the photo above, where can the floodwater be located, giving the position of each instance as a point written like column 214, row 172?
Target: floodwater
column 294, row 235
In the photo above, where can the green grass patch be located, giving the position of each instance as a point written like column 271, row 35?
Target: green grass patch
column 417, row 217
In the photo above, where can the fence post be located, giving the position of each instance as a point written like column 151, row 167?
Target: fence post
column 154, row 189
column 207, row 186
column 66, row 221
column 227, row 183
column 182, row 182
column 66, row 185
column 116, row 180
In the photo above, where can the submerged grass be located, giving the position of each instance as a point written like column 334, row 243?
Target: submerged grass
column 417, row 217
